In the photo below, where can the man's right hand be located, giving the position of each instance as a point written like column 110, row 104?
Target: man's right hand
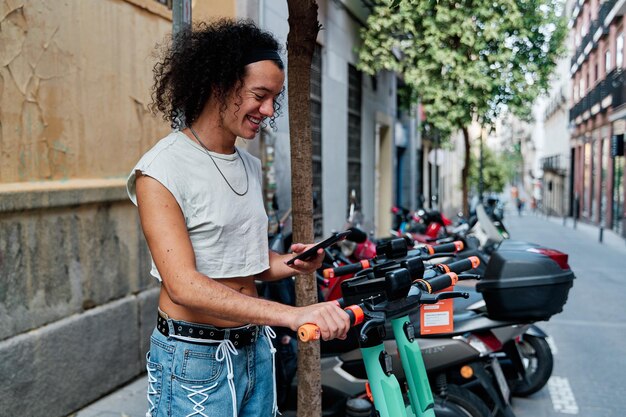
column 332, row 321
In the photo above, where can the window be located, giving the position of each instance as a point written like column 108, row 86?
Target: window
column 619, row 51
column 582, row 87
column 355, row 93
column 595, row 71
column 316, row 139
column 607, row 61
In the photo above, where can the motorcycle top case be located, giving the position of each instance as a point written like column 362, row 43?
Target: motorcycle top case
column 523, row 285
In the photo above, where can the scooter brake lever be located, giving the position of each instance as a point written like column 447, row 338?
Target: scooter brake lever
column 439, row 255
column 369, row 325
column 433, row 298
column 469, row 276
column 451, row 294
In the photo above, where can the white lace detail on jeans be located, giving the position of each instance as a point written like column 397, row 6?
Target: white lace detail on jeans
column 270, row 334
column 197, row 395
column 151, row 389
column 224, row 352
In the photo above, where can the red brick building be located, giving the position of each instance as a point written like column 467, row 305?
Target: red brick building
column 598, row 112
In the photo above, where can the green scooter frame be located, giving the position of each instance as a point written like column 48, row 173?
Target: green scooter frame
column 384, row 386
column 386, row 391
column 420, row 394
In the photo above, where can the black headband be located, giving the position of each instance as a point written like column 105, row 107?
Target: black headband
column 256, row 55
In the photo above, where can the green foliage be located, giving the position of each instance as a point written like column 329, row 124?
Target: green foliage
column 406, row 97
column 466, row 58
column 497, row 170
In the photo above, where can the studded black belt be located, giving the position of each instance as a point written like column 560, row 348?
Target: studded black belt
column 239, row 336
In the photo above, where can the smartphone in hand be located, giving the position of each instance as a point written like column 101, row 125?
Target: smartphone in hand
column 312, row 252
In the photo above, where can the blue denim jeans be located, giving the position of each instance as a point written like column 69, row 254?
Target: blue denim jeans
column 192, row 379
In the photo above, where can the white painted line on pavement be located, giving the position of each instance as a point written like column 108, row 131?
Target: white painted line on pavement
column 552, row 345
column 562, row 397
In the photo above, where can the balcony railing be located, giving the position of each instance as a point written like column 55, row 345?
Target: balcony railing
column 616, row 87
column 598, row 23
column 612, row 85
column 554, row 163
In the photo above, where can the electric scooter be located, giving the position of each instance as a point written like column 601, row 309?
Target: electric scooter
column 402, row 294
column 343, row 374
column 447, row 358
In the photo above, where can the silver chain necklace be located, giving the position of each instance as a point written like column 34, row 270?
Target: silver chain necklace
column 218, row 168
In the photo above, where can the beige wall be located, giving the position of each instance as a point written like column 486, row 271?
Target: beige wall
column 75, row 81
column 74, row 88
column 205, row 10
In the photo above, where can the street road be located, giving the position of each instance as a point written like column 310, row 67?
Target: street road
column 588, row 337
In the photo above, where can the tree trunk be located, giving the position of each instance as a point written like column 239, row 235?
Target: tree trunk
column 303, row 28
column 465, row 172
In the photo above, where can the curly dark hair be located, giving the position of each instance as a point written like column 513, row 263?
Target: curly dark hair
column 208, row 60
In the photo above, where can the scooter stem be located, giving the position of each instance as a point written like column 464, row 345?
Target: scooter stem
column 420, row 394
column 386, row 391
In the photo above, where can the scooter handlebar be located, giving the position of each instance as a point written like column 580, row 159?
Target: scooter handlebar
column 455, row 246
column 438, row 283
column 462, row 265
column 346, row 269
column 309, row 331
column 441, row 282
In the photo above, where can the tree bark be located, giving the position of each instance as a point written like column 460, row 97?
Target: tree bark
column 303, row 28
column 465, row 172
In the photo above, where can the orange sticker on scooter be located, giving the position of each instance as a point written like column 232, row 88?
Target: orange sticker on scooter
column 437, row 318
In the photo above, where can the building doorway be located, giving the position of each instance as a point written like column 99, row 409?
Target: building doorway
column 618, row 195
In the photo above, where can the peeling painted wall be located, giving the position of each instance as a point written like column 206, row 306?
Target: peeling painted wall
column 75, row 82
column 75, row 79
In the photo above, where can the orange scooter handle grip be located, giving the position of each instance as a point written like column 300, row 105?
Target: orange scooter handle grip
column 346, row 269
column 441, row 282
column 309, row 331
column 464, row 264
column 455, row 246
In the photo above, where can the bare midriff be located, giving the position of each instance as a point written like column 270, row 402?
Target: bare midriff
column 243, row 285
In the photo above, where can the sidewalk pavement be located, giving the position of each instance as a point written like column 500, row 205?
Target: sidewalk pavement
column 131, row 401
column 128, row 401
column 588, row 231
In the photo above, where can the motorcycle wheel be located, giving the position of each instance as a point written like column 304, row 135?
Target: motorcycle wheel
column 538, row 363
column 460, row 402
